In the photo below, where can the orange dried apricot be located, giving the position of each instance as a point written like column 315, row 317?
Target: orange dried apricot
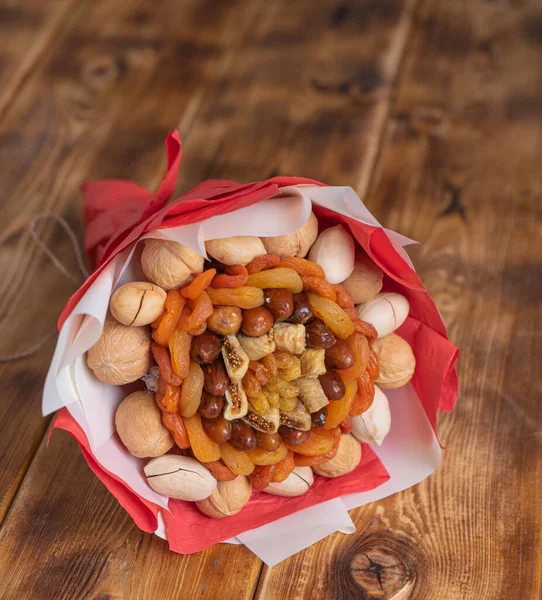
column 198, row 285
column 332, row 315
column 262, row 476
column 174, row 423
column 203, row 447
column 279, row 277
column 236, row 460
column 311, row 461
column 163, row 360
column 191, row 390
column 220, row 471
column 373, row 368
column 360, row 347
column 201, row 311
column 179, row 349
column 344, row 297
column 167, row 396
column 319, row 442
column 366, row 329
column 320, row 286
column 243, row 297
column 261, row 263
column 346, row 424
column 235, row 277
column 174, row 307
column 260, row 456
column 364, row 397
column 303, row 266
column 338, row 410
column 284, row 467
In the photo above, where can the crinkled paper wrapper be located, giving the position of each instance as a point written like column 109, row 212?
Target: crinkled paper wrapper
column 118, row 216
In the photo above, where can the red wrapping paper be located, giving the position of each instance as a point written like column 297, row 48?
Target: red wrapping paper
column 117, row 213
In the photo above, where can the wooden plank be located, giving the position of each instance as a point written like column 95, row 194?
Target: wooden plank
column 459, row 171
column 27, row 28
column 107, row 125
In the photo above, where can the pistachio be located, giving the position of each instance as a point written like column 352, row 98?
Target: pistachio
column 137, row 303
column 334, row 251
column 180, row 477
column 345, row 461
column 297, row 483
column 228, row 498
column 237, row 250
column 385, row 312
column 373, row 425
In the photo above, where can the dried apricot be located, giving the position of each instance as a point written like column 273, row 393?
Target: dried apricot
column 174, row 307
column 284, row 467
column 319, row 442
column 303, row 266
column 364, row 397
column 179, row 349
column 163, row 360
column 191, row 390
column 200, row 283
column 167, row 396
column 366, row 329
column 259, row 456
column 174, row 423
column 360, row 347
column 261, row 477
column 346, row 424
column 220, row 471
column 320, row 286
column 235, row 277
column 332, row 315
column 236, row 460
column 203, row 447
column 344, row 297
column 261, row 263
column 243, row 297
column 201, row 311
column 280, row 277
column 373, row 368
column 338, row 410
column 311, row 461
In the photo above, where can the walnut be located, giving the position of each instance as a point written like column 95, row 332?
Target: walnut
column 297, row 243
column 139, row 425
column 228, row 498
column 345, row 461
column 122, row 354
column 396, row 361
column 365, row 282
column 169, row 264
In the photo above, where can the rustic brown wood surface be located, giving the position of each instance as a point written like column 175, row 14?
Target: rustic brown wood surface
column 431, row 110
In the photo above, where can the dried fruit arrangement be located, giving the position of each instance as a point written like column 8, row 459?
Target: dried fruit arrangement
column 255, row 368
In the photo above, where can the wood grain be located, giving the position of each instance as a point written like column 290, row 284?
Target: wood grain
column 459, row 172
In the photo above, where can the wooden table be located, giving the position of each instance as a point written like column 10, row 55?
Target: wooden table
column 432, row 111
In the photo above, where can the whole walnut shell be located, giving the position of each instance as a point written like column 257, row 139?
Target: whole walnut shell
column 345, row 461
column 396, row 361
column 228, row 498
column 297, row 243
column 237, row 250
column 139, row 425
column 137, row 303
column 169, row 264
column 365, row 282
column 122, row 354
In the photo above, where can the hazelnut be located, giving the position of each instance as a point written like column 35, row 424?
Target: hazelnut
column 237, row 250
column 169, row 264
column 365, row 282
column 122, row 354
column 396, row 361
column 139, row 425
column 137, row 303
column 228, row 498
column 180, row 477
column 334, row 251
column 345, row 461
column 297, row 243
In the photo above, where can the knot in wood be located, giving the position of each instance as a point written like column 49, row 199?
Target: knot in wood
column 381, row 574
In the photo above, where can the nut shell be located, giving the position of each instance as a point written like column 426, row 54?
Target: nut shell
column 334, row 251
column 297, row 483
column 237, row 250
column 228, row 498
column 137, row 303
column 180, row 477
column 169, row 264
column 385, row 312
column 373, row 425
column 139, row 425
column 396, row 361
column 345, row 461
column 122, row 354
column 296, row 243
column 365, row 282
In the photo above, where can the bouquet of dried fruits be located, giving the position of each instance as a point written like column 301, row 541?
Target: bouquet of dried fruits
column 243, row 365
